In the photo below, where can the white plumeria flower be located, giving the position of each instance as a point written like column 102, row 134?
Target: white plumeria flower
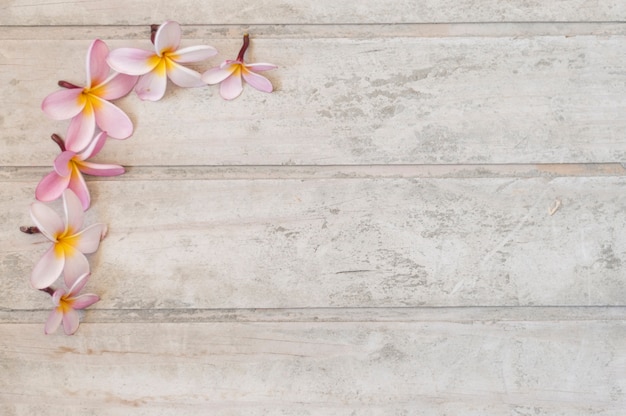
column 155, row 67
column 231, row 74
column 66, row 303
column 70, row 242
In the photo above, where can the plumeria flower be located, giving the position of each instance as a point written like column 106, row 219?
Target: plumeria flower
column 230, row 74
column 70, row 242
column 164, row 62
column 89, row 105
column 66, row 303
column 68, row 169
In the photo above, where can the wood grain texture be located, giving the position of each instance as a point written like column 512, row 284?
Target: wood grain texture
column 354, row 101
column 419, row 368
column 358, row 242
column 142, row 12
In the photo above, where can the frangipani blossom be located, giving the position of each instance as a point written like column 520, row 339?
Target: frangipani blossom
column 66, row 303
column 230, row 74
column 70, row 242
column 68, row 169
column 165, row 62
column 89, row 105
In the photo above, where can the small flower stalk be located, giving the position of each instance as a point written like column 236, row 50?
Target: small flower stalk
column 231, row 74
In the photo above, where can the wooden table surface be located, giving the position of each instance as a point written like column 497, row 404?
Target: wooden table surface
column 427, row 216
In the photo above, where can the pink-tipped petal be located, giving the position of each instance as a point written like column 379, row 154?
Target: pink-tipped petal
column 260, row 67
column 51, row 187
column 97, row 67
column 100, row 169
column 194, row 54
column 76, row 265
column 151, row 87
column 231, row 87
column 88, row 239
column 74, row 214
column 70, row 322
column 132, row 61
column 116, row 87
column 62, row 164
column 81, row 130
column 257, row 81
column 182, row 76
column 94, row 146
column 47, row 270
column 46, row 220
column 64, row 104
column 79, row 187
column 84, row 301
column 218, row 74
column 78, row 285
column 167, row 37
column 53, row 322
column 112, row 119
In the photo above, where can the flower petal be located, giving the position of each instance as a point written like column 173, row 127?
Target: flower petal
column 62, row 163
column 257, row 81
column 183, row 76
column 76, row 265
column 112, row 119
column 51, row 187
column 74, row 214
column 64, row 104
column 70, row 322
column 151, row 87
column 84, row 301
column 79, row 187
column 97, row 67
column 167, row 37
column 260, row 67
column 53, row 322
column 132, row 61
column 78, row 285
column 194, row 54
column 81, row 129
column 115, row 87
column 231, row 87
column 218, row 74
column 94, row 146
column 100, row 169
column 47, row 270
column 46, row 220
column 88, row 240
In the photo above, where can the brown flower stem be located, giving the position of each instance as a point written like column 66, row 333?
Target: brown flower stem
column 48, row 290
column 67, row 85
column 59, row 141
column 244, row 47
column 30, row 229
column 153, row 31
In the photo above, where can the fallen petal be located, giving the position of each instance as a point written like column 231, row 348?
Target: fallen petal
column 88, row 240
column 100, row 169
column 79, row 187
column 84, row 301
column 53, row 322
column 78, row 285
column 74, row 214
column 46, row 220
column 260, row 67
column 94, row 146
column 81, row 129
column 115, row 87
column 70, row 322
column 76, row 265
column 218, row 74
column 51, row 187
column 231, row 87
column 62, row 163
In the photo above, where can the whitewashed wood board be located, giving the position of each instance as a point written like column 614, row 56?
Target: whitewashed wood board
column 357, row 242
column 541, row 99
column 419, row 368
column 118, row 12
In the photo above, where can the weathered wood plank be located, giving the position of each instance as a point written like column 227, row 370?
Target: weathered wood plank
column 341, row 243
column 354, row 101
column 107, row 12
column 496, row 368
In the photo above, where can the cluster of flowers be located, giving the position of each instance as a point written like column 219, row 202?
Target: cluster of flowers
column 110, row 75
